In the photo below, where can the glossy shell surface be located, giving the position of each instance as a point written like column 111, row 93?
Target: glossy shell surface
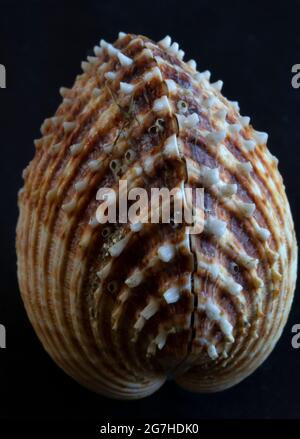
column 122, row 308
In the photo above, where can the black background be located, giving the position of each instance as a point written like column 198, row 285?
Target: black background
column 252, row 47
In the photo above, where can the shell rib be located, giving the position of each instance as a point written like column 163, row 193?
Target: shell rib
column 122, row 308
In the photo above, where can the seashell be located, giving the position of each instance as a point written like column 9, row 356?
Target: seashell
column 121, row 308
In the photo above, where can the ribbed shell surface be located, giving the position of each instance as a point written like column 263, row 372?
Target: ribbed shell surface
column 122, row 309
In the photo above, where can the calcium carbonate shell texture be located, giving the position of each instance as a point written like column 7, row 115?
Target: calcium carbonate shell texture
column 123, row 308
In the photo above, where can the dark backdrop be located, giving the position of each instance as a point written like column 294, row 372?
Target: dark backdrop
column 252, row 47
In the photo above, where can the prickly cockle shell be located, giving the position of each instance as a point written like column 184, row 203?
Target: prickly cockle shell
column 122, row 308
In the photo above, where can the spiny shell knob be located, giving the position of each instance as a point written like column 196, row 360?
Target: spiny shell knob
column 119, row 307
